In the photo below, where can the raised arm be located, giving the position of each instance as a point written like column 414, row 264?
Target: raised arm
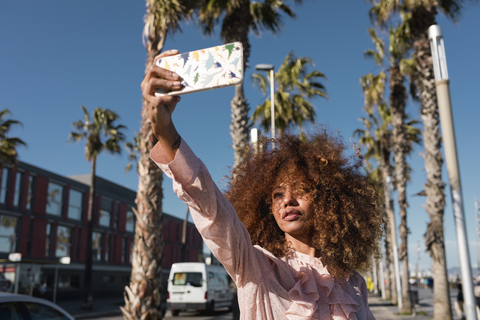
column 160, row 109
column 213, row 214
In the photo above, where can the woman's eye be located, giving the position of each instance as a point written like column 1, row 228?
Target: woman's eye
column 277, row 195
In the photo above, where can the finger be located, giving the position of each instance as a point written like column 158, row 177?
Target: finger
column 158, row 72
column 163, row 73
column 155, row 83
column 166, row 54
column 171, row 100
column 164, row 100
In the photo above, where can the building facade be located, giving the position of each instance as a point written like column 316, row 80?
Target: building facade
column 43, row 222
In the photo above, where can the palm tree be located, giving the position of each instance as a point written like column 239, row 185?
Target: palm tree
column 8, row 146
column 398, row 66
column 143, row 295
column 423, row 14
column 295, row 86
column 376, row 136
column 379, row 147
column 374, row 176
column 101, row 134
column 241, row 17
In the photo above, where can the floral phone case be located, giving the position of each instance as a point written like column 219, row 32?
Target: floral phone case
column 206, row 69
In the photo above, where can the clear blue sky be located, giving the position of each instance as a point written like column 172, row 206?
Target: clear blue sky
column 58, row 55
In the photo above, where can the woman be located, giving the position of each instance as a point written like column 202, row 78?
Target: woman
column 301, row 218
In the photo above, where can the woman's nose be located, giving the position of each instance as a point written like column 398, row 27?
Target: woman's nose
column 289, row 199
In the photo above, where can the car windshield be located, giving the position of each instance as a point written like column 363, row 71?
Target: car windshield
column 188, row 278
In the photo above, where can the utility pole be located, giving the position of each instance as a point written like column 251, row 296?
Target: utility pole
column 477, row 227
column 418, row 259
column 442, row 85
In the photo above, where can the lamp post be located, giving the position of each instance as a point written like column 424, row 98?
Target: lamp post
column 269, row 67
column 446, row 119
column 382, row 279
column 477, row 228
column 254, row 139
column 396, row 263
column 418, row 260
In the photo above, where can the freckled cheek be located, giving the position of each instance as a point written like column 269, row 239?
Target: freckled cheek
column 276, row 209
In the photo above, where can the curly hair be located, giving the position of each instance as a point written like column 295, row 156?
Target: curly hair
column 346, row 224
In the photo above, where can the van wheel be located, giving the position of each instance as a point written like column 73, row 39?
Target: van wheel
column 175, row 313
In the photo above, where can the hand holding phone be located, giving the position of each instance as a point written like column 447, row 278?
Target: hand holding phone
column 205, row 69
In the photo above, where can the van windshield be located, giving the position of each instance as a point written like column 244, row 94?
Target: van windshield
column 185, row 278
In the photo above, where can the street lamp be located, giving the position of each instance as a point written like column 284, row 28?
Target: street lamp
column 254, row 139
column 477, row 228
column 446, row 119
column 396, row 263
column 269, row 67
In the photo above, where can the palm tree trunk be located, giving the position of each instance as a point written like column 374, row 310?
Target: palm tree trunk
column 391, row 227
column 88, row 297
column 422, row 18
column 143, row 296
column 388, row 261
column 398, row 97
column 236, row 26
column 385, row 167
column 240, row 124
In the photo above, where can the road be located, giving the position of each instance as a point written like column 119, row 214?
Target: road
column 221, row 314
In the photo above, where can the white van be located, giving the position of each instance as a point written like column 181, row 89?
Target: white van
column 198, row 286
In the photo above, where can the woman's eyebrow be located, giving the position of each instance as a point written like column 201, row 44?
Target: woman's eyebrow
column 277, row 187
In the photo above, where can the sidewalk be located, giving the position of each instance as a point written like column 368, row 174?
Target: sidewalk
column 101, row 308
column 385, row 310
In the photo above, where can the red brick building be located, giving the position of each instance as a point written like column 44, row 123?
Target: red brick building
column 43, row 216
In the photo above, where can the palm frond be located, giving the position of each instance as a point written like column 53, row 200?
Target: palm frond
column 92, row 129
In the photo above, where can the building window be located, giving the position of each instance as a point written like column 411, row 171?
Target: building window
column 64, row 242
column 106, row 212
column 131, row 250
column 64, row 281
column 18, row 189
column 107, row 249
column 47, row 240
column 75, row 281
column 3, row 186
column 75, row 204
column 117, row 215
column 54, row 199
column 8, row 234
column 124, row 250
column 130, row 224
column 31, row 182
column 97, row 246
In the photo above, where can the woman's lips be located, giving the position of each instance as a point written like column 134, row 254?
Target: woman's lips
column 291, row 214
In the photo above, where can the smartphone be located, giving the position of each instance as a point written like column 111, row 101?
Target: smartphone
column 205, row 69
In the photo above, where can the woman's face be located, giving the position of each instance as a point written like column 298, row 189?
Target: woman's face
column 292, row 206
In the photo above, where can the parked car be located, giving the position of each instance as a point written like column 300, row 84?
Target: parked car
column 23, row 307
column 198, row 286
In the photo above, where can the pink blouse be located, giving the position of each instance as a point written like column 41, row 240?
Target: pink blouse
column 296, row 286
